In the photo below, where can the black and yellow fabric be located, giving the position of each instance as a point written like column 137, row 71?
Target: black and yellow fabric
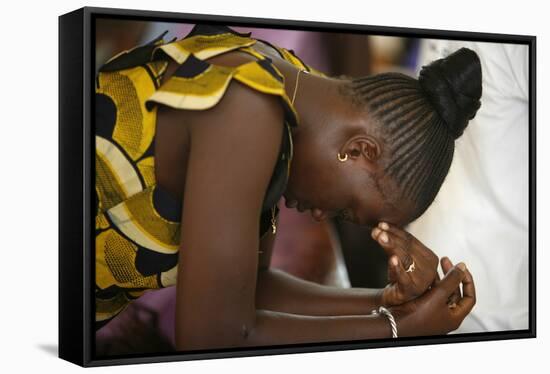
column 137, row 222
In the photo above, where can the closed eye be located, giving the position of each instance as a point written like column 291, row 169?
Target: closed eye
column 346, row 215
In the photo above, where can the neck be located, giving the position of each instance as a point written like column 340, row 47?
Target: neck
column 318, row 101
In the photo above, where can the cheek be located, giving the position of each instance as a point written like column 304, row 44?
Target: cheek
column 313, row 180
column 303, row 179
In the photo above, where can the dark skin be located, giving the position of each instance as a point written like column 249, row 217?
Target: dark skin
column 227, row 296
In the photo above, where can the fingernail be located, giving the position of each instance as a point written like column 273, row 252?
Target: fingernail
column 394, row 261
column 384, row 226
column 375, row 232
column 461, row 266
column 384, row 237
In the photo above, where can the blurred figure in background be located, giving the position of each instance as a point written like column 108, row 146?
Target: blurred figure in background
column 485, row 198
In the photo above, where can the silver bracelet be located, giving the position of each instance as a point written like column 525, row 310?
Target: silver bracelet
column 387, row 313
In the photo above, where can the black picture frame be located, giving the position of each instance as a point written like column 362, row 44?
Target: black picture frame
column 76, row 173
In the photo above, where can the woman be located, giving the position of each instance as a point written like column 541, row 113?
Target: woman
column 198, row 139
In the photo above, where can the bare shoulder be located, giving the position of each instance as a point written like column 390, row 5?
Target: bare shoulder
column 242, row 114
column 246, row 109
column 241, row 108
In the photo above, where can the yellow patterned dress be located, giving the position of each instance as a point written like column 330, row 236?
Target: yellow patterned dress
column 137, row 222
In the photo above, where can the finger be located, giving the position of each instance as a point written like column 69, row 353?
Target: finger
column 375, row 232
column 410, row 244
column 399, row 274
column 446, row 266
column 392, row 276
column 437, row 279
column 468, row 300
column 387, row 242
column 397, row 236
column 390, row 245
column 447, row 286
column 393, row 229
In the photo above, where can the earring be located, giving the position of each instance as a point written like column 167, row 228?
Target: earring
column 342, row 159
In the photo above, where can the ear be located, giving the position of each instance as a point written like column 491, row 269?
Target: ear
column 364, row 148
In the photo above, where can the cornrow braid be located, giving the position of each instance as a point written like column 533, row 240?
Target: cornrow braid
column 419, row 147
column 418, row 121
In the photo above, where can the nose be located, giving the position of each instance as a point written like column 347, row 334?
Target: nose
column 291, row 203
column 318, row 214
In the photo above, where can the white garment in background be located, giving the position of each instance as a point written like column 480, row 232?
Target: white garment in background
column 480, row 215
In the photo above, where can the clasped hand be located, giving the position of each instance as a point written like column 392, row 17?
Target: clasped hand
column 412, row 267
column 415, row 291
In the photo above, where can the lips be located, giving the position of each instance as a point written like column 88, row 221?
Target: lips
column 316, row 214
column 302, row 207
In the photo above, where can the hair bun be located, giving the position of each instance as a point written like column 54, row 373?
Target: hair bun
column 453, row 86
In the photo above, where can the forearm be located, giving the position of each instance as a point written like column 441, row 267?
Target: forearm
column 279, row 328
column 290, row 310
column 273, row 328
column 279, row 291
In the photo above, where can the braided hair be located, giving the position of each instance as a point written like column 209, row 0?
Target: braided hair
column 418, row 121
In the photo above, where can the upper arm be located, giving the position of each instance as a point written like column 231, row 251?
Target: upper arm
column 266, row 249
column 232, row 154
